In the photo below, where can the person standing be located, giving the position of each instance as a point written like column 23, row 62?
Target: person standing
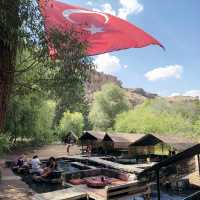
column 68, row 149
column 89, row 150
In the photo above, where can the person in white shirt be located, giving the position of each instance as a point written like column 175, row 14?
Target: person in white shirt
column 36, row 165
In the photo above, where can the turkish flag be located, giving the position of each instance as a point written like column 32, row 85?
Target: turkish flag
column 103, row 32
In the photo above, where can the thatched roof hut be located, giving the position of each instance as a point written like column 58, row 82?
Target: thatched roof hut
column 177, row 143
column 93, row 138
column 70, row 137
column 120, row 140
column 159, row 145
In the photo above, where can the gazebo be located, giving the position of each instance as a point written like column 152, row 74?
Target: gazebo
column 93, row 138
column 119, row 142
column 159, row 147
column 70, row 138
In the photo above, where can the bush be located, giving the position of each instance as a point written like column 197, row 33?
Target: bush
column 145, row 119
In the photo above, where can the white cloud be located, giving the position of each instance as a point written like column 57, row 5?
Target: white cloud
column 96, row 9
column 129, row 7
column 175, row 94
column 108, row 9
column 126, row 8
column 108, row 63
column 190, row 93
column 162, row 73
column 89, row 3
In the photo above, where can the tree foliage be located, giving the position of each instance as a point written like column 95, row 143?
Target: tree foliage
column 108, row 102
column 30, row 117
column 25, row 66
column 71, row 122
column 161, row 116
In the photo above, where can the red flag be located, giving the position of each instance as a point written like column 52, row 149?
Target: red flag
column 103, row 32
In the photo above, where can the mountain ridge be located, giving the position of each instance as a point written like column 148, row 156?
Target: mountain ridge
column 135, row 95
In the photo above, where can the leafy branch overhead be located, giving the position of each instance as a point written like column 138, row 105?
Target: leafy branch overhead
column 25, row 65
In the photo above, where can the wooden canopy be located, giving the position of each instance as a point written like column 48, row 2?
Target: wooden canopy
column 122, row 140
column 72, row 135
column 147, row 140
column 92, row 135
column 188, row 153
column 154, row 173
column 178, row 143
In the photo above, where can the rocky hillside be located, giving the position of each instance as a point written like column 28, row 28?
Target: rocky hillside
column 97, row 80
column 183, row 99
column 138, row 95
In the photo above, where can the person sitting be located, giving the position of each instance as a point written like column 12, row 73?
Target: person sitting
column 36, row 165
column 52, row 164
column 20, row 160
column 47, row 171
column 21, row 164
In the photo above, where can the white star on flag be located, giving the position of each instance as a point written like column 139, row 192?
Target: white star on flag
column 94, row 29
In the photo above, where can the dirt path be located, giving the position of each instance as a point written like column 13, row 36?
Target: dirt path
column 11, row 186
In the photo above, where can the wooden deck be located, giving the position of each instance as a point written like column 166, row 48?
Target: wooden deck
column 117, row 190
column 66, row 194
column 134, row 168
column 194, row 179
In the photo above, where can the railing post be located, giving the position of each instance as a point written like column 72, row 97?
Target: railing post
column 198, row 158
column 158, row 183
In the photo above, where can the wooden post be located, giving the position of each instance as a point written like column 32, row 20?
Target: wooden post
column 146, row 197
column 158, row 183
column 82, row 148
column 162, row 149
column 198, row 163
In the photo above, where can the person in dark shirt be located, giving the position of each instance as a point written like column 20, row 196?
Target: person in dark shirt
column 50, row 167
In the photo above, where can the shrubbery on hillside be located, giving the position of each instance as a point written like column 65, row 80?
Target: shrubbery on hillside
column 160, row 116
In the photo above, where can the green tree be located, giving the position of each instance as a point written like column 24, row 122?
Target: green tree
column 30, row 117
column 43, row 129
column 108, row 102
column 196, row 128
column 187, row 109
column 71, row 122
column 151, row 117
column 24, row 49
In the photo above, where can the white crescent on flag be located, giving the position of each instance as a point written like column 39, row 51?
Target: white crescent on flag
column 68, row 12
column 93, row 29
column 103, row 32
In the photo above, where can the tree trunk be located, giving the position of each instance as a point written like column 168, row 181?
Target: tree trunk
column 9, row 23
column 7, row 68
column 59, row 110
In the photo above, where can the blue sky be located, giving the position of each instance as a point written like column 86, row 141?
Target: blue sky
column 176, row 24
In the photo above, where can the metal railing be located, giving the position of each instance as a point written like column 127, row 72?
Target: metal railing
column 195, row 196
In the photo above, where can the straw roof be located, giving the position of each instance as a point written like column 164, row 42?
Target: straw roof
column 125, row 137
column 72, row 134
column 92, row 135
column 178, row 143
column 122, row 140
